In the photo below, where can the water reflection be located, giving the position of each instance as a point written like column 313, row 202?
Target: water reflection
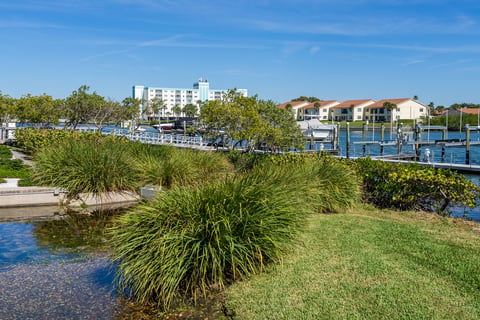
column 57, row 269
column 75, row 232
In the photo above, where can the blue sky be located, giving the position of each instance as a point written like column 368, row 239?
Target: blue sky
column 342, row 49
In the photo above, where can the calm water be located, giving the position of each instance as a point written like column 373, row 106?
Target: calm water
column 452, row 154
column 51, row 270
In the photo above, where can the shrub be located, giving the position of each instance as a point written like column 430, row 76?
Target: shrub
column 413, row 187
column 187, row 241
column 243, row 161
column 5, row 152
column 93, row 164
column 336, row 185
column 31, row 140
column 170, row 167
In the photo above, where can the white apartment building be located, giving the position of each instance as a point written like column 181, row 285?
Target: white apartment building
column 358, row 110
column 171, row 97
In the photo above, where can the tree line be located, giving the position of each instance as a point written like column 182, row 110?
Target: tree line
column 81, row 106
column 233, row 120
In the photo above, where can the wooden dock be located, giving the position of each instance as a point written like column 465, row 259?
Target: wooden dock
column 465, row 168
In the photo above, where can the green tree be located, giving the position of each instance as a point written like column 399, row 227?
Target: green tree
column 132, row 111
column 39, row 110
column 282, row 130
column 156, row 105
column 6, row 108
column 177, row 110
column 387, row 105
column 251, row 121
column 81, row 106
column 108, row 110
column 309, row 99
column 190, row 110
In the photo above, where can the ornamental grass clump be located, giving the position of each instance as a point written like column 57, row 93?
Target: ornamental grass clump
column 169, row 167
column 93, row 165
column 188, row 241
column 336, row 186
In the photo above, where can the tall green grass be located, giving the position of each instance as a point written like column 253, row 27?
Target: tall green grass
column 90, row 165
column 168, row 167
column 189, row 240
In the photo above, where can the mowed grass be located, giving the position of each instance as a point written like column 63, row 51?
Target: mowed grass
column 370, row 264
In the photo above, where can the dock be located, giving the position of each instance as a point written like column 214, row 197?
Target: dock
column 464, row 168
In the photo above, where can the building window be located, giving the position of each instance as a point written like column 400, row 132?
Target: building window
column 359, row 109
column 421, row 109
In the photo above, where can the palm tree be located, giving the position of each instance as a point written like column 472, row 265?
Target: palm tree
column 317, row 106
column 352, row 108
column 387, row 105
column 177, row 110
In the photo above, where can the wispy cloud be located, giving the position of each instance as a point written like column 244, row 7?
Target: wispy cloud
column 24, row 24
column 313, row 50
column 368, row 26
column 174, row 41
column 407, row 47
column 412, row 62
column 186, row 41
column 47, row 5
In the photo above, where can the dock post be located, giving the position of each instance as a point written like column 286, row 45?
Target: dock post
column 311, row 140
column 399, row 138
column 348, row 141
column 467, row 144
column 338, row 135
column 418, row 137
column 382, row 138
column 364, row 138
column 334, row 137
column 443, row 152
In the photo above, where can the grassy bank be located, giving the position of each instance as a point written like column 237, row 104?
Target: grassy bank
column 370, row 264
column 13, row 168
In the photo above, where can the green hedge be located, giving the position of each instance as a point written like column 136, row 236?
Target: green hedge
column 414, row 187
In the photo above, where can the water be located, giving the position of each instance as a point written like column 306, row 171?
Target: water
column 452, row 154
column 56, row 270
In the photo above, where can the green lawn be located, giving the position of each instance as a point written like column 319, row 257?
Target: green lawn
column 13, row 168
column 370, row 264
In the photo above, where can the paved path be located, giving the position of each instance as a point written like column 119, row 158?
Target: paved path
column 20, row 155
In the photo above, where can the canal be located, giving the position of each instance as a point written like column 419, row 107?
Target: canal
column 57, row 269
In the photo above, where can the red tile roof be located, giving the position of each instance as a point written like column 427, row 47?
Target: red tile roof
column 379, row 103
column 322, row 103
column 349, row 103
column 293, row 103
column 470, row 110
column 439, row 113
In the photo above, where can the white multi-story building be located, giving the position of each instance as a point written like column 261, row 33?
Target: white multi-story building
column 357, row 110
column 172, row 97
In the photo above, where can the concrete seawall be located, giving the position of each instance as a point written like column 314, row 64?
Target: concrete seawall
column 25, row 202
